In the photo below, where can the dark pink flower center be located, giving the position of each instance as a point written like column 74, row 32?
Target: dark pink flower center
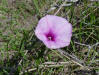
column 50, row 36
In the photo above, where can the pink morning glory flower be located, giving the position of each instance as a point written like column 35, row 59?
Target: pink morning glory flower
column 54, row 31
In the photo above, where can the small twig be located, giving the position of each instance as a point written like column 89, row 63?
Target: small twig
column 95, row 44
column 60, row 7
column 82, row 44
column 53, row 5
column 60, row 63
column 94, row 0
column 70, row 57
column 71, row 0
column 22, row 59
column 89, row 48
column 48, row 65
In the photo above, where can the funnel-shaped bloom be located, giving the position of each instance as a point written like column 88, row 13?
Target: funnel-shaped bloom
column 55, row 32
